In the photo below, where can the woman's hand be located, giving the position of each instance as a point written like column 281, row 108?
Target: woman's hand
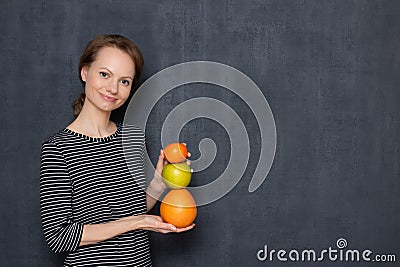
column 94, row 233
column 155, row 223
column 157, row 185
column 158, row 181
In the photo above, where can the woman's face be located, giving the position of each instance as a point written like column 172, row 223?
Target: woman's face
column 108, row 79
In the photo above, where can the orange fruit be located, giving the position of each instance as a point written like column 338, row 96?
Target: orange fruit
column 178, row 208
column 175, row 152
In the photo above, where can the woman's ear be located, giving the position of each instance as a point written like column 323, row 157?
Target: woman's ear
column 84, row 72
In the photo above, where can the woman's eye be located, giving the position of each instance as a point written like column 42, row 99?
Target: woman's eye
column 103, row 74
column 125, row 82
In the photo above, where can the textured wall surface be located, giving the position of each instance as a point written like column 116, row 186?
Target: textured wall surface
column 329, row 70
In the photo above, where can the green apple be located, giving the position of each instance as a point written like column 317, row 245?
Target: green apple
column 176, row 175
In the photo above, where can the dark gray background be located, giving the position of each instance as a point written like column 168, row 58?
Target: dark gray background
column 329, row 70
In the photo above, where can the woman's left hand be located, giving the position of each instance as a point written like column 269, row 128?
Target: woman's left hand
column 157, row 184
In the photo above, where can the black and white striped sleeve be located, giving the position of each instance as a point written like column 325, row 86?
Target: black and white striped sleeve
column 60, row 231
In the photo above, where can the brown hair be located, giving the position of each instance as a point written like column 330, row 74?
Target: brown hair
column 90, row 53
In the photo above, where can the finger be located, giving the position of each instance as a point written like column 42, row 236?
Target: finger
column 189, row 154
column 160, row 162
column 167, row 231
column 188, row 162
column 163, row 158
column 179, row 230
column 184, row 144
column 187, row 227
column 165, row 226
column 171, row 227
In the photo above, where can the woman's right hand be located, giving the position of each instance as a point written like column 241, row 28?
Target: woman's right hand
column 94, row 233
column 156, row 224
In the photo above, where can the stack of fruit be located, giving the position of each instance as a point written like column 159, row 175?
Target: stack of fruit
column 178, row 206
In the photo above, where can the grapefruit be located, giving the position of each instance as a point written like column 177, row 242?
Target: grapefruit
column 178, row 208
column 175, row 152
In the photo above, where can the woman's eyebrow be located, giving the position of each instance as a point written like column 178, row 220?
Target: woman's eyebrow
column 113, row 73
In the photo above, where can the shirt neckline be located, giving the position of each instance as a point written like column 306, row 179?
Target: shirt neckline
column 96, row 139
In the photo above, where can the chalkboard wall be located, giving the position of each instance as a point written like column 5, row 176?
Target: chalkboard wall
column 329, row 70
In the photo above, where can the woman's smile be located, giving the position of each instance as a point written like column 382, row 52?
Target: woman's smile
column 108, row 98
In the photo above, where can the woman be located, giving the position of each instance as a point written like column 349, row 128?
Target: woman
column 92, row 205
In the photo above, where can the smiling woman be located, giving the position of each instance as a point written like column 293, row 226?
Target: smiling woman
column 91, row 204
column 108, row 79
column 109, row 45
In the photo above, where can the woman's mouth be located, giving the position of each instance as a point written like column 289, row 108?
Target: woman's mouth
column 108, row 98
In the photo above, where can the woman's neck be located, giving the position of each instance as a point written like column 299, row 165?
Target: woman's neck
column 93, row 122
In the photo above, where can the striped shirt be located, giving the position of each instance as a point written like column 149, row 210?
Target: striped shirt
column 87, row 180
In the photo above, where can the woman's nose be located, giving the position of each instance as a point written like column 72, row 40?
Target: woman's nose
column 112, row 87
